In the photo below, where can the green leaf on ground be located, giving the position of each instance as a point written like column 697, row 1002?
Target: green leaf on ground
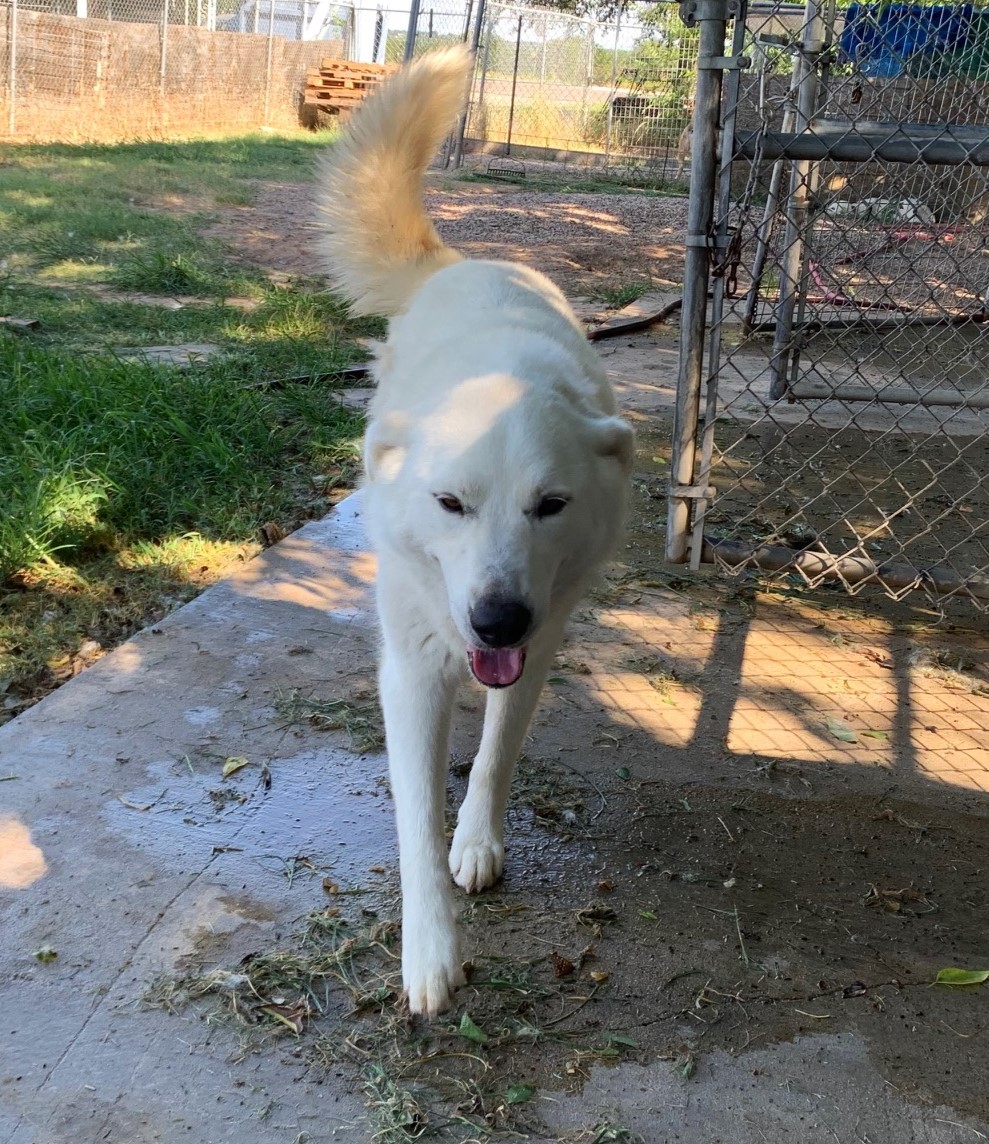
column 469, row 1030
column 840, row 730
column 961, row 976
column 519, row 1093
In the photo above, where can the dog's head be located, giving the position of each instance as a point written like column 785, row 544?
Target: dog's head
column 515, row 494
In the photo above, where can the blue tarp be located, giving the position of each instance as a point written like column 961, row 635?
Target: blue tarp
column 880, row 39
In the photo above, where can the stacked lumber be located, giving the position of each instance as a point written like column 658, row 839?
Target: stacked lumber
column 340, row 85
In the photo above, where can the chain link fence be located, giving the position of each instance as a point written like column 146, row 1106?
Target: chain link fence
column 126, row 69
column 594, row 96
column 600, row 97
column 836, row 428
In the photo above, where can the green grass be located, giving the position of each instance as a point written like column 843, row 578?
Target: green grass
column 623, row 294
column 127, row 486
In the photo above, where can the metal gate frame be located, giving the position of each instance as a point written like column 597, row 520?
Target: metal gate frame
column 708, row 255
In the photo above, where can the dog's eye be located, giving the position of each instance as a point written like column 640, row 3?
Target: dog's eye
column 550, row 506
column 451, row 504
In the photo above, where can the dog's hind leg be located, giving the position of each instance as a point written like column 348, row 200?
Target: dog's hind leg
column 477, row 854
column 417, row 691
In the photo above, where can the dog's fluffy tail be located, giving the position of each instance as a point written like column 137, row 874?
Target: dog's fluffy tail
column 378, row 243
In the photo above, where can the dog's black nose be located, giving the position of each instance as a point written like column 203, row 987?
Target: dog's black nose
column 500, row 623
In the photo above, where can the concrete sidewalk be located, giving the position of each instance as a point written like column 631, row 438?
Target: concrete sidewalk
column 123, row 850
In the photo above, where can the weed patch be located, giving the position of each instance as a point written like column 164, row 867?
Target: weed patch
column 360, row 716
column 472, row 1075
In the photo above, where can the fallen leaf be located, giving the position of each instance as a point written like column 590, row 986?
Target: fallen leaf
column 621, row 1039
column 519, row 1093
column 291, row 1016
column 330, row 886
column 562, row 966
column 961, row 976
column 271, row 533
column 471, row 1032
column 233, row 764
column 840, row 730
column 879, row 657
column 599, row 976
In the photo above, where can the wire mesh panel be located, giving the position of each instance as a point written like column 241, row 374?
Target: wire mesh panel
column 844, row 434
column 595, row 96
column 125, row 69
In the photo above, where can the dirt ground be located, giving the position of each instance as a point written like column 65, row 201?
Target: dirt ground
column 584, row 241
column 796, row 783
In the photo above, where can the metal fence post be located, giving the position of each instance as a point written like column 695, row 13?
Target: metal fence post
column 475, row 40
column 805, row 85
column 410, row 35
column 712, row 16
column 614, row 81
column 268, row 61
column 163, row 64
column 515, row 81
column 12, row 70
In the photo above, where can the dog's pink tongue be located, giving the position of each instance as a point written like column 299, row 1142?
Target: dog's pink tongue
column 496, row 667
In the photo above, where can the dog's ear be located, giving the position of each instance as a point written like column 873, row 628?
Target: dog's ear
column 614, row 438
column 385, row 446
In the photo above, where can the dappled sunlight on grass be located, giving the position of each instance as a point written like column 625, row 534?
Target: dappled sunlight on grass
column 72, row 270
column 57, row 618
column 129, row 487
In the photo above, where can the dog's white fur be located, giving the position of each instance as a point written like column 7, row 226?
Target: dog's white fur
column 487, row 392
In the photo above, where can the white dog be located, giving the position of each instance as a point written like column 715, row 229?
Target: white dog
column 496, row 474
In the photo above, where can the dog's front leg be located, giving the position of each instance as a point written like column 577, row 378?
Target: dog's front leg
column 417, row 693
column 477, row 854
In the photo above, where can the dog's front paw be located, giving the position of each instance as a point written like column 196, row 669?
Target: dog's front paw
column 431, row 969
column 476, row 862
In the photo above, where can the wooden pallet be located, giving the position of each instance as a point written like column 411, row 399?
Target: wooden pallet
column 340, row 85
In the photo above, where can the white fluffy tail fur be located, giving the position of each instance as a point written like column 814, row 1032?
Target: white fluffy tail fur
column 378, row 243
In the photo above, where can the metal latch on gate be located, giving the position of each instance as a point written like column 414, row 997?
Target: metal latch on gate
column 694, row 492
column 710, row 241
column 723, row 63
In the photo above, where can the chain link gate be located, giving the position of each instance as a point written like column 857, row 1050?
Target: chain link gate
column 837, row 268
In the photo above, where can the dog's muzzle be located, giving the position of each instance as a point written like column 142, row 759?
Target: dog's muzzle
column 501, row 625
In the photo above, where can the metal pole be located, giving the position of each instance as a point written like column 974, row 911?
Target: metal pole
column 764, row 233
column 798, row 214
column 588, row 76
column 458, row 152
column 712, row 16
column 410, row 35
column 268, row 61
column 762, row 246
column 614, row 81
column 515, row 80
column 542, row 61
column 12, row 71
column 162, row 63
column 722, row 239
